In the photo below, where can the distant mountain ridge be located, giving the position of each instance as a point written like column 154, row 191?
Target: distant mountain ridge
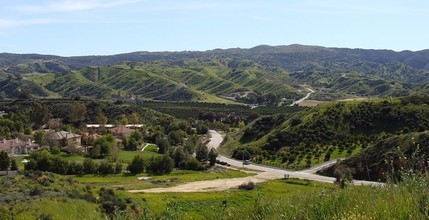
column 336, row 70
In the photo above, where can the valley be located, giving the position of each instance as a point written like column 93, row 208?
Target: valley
column 220, row 134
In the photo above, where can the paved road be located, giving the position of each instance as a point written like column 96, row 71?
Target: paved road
column 310, row 91
column 216, row 139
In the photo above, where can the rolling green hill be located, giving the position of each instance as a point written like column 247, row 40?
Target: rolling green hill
column 210, row 75
column 330, row 130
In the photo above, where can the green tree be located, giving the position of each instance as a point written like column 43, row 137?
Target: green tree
column 39, row 114
column 137, row 165
column 179, row 157
column 123, row 120
column 175, row 137
column 202, row 128
column 106, row 168
column 212, row 156
column 42, row 160
column 130, row 144
column 102, row 146
column 40, row 138
column 101, row 118
column 13, row 165
column 55, row 150
column 160, row 165
column 4, row 161
column 192, row 163
column 163, row 144
column 89, row 166
column 202, row 153
column 134, row 118
column 77, row 113
column 137, row 135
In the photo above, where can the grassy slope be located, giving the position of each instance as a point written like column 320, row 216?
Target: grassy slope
column 335, row 122
column 59, row 208
column 189, row 80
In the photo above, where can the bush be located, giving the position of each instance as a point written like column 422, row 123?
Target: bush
column 247, row 186
column 160, row 165
column 137, row 165
column 118, row 168
column 106, row 168
column 55, row 150
column 193, row 164
column 89, row 166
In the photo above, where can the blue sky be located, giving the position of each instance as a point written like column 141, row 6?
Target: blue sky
column 99, row 27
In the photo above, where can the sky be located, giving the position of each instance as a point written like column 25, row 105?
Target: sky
column 103, row 27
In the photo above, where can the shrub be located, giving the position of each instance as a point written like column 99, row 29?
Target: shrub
column 247, row 186
column 160, row 165
column 193, row 164
column 137, row 165
column 106, row 168
column 118, row 168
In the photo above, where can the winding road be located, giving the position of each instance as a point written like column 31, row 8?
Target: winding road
column 310, row 91
column 264, row 173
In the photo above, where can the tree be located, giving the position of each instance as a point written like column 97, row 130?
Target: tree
column 137, row 165
column 202, row 152
column 101, row 118
column 175, row 138
column 137, row 135
column 179, row 157
column 106, row 168
column 4, row 161
column 55, row 150
column 13, row 165
column 212, row 156
column 102, row 146
column 134, row 118
column 53, row 124
column 193, row 164
column 42, row 160
column 39, row 114
column 40, row 138
column 130, row 144
column 77, row 113
column 202, row 128
column 162, row 143
column 123, row 120
column 160, row 165
column 89, row 166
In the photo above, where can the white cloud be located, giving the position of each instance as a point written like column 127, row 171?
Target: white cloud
column 70, row 6
column 22, row 22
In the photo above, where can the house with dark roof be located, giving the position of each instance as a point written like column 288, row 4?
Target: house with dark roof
column 17, row 146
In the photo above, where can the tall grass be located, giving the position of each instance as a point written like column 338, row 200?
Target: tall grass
column 406, row 200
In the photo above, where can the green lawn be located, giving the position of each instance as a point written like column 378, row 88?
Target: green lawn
column 71, row 157
column 127, row 156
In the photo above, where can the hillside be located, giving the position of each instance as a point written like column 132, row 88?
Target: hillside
column 388, row 158
column 207, row 76
column 330, row 130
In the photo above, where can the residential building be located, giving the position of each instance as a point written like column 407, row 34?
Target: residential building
column 16, row 146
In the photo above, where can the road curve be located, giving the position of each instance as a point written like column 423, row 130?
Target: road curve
column 304, row 174
column 266, row 173
column 310, row 91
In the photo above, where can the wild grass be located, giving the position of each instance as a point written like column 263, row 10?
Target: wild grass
column 131, row 182
column 295, row 199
